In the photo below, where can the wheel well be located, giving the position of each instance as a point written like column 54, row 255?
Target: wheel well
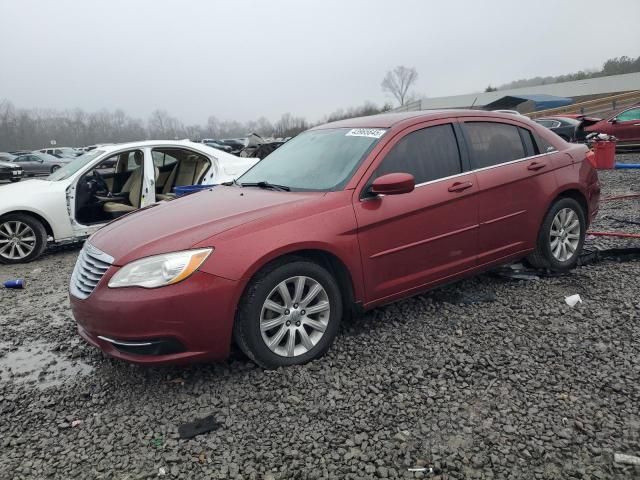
column 578, row 197
column 41, row 219
column 331, row 263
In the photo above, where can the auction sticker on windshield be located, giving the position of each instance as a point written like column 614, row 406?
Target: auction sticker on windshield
column 365, row 132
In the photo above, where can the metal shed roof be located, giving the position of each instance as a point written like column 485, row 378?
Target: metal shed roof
column 592, row 86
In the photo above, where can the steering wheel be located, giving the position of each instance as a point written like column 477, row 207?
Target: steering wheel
column 101, row 185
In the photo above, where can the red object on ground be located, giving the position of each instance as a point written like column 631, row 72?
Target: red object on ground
column 605, row 155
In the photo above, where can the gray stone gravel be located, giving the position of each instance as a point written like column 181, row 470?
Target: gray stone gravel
column 488, row 378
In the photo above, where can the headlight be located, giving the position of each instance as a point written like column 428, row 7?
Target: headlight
column 160, row 270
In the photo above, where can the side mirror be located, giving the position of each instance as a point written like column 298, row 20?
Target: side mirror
column 613, row 120
column 393, row 184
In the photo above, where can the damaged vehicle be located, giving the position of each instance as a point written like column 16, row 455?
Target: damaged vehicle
column 624, row 125
column 346, row 216
column 571, row 128
column 101, row 185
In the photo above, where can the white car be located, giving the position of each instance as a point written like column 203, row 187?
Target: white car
column 103, row 184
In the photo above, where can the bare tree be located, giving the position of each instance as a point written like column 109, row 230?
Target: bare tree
column 398, row 81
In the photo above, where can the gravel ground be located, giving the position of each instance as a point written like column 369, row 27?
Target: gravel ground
column 488, row 378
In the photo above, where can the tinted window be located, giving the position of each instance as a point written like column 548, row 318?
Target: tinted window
column 633, row 114
column 529, row 144
column 543, row 145
column 493, row 143
column 427, row 154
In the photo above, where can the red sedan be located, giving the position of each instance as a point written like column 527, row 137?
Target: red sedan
column 624, row 125
column 346, row 216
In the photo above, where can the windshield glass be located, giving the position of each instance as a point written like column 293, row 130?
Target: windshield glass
column 72, row 167
column 318, row 160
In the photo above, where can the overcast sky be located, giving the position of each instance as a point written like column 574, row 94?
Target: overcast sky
column 244, row 59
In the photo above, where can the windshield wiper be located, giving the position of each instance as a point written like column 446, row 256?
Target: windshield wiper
column 231, row 182
column 267, row 186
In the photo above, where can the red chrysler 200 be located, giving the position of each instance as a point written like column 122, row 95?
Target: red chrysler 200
column 348, row 215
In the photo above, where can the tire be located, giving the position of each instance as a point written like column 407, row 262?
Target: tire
column 545, row 256
column 54, row 168
column 252, row 313
column 14, row 180
column 31, row 228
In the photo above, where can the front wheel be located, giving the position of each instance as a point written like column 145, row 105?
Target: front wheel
column 22, row 238
column 561, row 237
column 54, row 168
column 289, row 314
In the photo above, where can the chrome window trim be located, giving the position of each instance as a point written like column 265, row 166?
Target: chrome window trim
column 430, row 182
column 485, row 168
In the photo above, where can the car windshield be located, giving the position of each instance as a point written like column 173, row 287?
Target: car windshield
column 317, row 160
column 72, row 167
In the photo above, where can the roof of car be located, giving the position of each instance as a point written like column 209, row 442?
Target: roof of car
column 388, row 120
column 213, row 152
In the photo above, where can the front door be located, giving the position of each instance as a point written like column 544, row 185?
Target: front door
column 412, row 240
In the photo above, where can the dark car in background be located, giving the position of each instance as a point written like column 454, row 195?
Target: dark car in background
column 624, row 125
column 36, row 163
column 9, row 170
column 571, row 128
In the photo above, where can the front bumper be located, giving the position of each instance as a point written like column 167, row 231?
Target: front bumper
column 6, row 174
column 190, row 321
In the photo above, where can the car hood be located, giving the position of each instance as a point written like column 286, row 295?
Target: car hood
column 182, row 223
column 4, row 164
column 21, row 195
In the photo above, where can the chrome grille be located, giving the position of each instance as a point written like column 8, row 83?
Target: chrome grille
column 90, row 267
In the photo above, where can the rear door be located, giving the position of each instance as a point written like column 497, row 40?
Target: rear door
column 514, row 185
column 411, row 240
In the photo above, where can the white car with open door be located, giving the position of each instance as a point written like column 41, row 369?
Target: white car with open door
column 103, row 184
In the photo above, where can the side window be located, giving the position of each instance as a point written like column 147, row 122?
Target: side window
column 629, row 115
column 527, row 139
column 543, row 145
column 133, row 160
column 427, row 154
column 492, row 143
column 163, row 159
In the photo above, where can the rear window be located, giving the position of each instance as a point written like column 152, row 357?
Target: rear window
column 428, row 154
column 492, row 143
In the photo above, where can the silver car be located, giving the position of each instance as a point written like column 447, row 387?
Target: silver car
column 36, row 163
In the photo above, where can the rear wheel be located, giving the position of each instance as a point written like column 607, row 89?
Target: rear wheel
column 561, row 236
column 289, row 314
column 22, row 238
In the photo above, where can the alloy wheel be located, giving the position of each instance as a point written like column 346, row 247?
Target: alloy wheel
column 17, row 240
column 295, row 316
column 565, row 234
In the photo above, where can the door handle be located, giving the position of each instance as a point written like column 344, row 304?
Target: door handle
column 460, row 186
column 536, row 166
